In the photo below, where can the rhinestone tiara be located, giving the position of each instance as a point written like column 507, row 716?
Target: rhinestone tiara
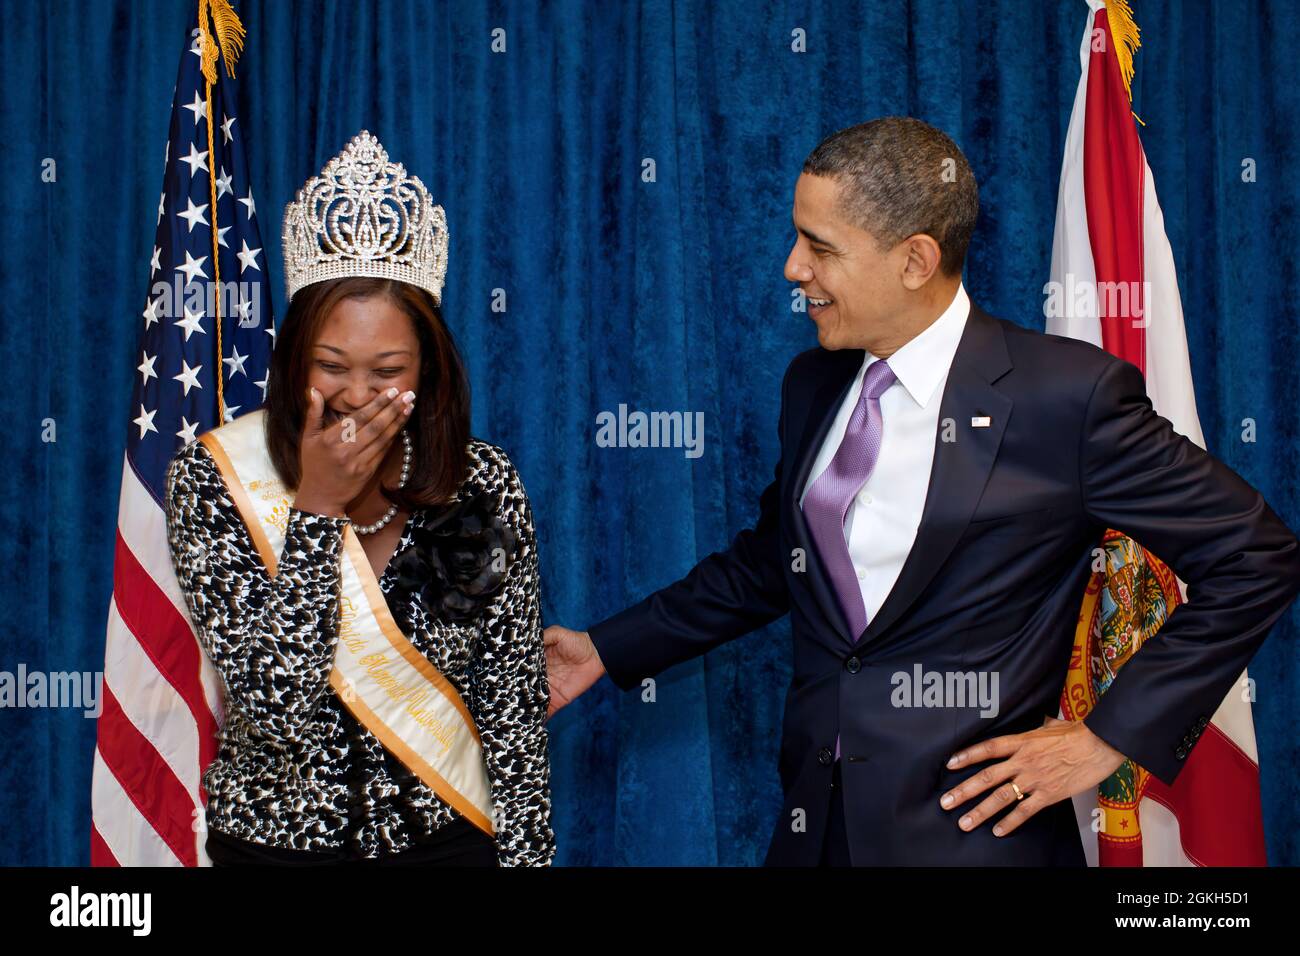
column 364, row 216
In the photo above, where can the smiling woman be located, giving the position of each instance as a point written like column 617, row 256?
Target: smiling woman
column 351, row 339
column 351, row 538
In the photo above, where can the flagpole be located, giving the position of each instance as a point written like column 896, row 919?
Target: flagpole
column 227, row 46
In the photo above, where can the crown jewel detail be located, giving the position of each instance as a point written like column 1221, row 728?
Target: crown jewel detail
column 364, row 216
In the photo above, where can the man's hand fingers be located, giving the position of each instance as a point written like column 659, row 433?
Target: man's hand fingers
column 557, row 702
column 971, row 787
column 558, row 670
column 572, row 665
column 1002, row 797
column 990, row 749
column 1024, row 809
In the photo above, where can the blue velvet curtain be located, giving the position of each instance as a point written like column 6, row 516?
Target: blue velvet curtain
column 659, row 295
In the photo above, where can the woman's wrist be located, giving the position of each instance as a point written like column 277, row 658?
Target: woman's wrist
column 319, row 507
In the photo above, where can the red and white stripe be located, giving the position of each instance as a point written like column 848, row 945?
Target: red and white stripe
column 162, row 704
column 1109, row 228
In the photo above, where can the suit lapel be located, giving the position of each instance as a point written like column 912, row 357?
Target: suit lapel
column 961, row 467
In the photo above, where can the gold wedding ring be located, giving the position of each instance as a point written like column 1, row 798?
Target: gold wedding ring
column 1019, row 795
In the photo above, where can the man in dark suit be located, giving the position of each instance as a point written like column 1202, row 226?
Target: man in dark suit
column 943, row 481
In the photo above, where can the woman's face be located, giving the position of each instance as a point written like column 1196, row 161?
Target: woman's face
column 365, row 347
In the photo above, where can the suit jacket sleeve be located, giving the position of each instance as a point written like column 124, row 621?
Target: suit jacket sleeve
column 728, row 594
column 1239, row 561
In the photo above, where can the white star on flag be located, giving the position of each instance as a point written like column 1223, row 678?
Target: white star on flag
column 186, row 434
column 191, row 323
column 194, row 214
column 199, row 107
column 195, row 160
column 145, row 421
column 236, row 362
column 189, row 377
column 151, row 311
column 248, row 258
column 192, row 267
column 146, row 367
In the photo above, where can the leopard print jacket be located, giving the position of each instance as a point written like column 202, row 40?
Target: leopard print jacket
column 294, row 768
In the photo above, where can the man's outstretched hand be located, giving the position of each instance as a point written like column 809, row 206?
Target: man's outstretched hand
column 572, row 665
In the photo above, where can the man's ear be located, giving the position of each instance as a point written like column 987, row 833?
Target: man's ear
column 921, row 260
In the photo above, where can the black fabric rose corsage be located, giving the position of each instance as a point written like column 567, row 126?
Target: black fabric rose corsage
column 457, row 561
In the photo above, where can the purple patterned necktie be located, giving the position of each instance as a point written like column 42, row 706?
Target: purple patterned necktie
column 827, row 503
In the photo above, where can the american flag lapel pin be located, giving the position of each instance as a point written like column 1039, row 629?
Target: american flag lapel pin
column 980, row 421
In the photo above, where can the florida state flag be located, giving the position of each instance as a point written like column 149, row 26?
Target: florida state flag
column 1114, row 284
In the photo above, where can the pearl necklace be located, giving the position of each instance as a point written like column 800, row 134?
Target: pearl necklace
column 401, row 483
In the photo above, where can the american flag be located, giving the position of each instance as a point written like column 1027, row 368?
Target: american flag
column 162, row 702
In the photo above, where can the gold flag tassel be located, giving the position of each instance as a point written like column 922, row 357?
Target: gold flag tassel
column 1127, row 38
column 227, row 46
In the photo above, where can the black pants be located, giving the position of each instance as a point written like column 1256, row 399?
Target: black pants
column 835, row 846
column 459, row 843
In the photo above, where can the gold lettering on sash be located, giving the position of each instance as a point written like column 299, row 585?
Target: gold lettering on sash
column 353, row 640
column 375, row 665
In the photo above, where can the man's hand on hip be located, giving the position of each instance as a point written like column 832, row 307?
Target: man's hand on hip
column 1046, row 765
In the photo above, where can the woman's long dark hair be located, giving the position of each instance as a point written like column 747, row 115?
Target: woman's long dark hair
column 439, row 426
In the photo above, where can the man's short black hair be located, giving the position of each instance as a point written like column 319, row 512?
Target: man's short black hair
column 899, row 176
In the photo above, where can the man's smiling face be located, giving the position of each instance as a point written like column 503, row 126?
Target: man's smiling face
column 852, row 286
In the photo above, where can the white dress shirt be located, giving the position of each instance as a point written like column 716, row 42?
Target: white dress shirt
column 883, row 518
